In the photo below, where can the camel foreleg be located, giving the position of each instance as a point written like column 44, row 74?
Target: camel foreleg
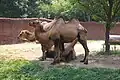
column 44, row 53
column 57, row 51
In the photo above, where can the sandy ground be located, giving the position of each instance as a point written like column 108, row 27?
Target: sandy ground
column 32, row 51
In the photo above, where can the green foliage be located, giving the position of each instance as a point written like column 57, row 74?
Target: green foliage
column 43, row 8
column 8, row 8
column 102, row 9
column 26, row 70
column 112, row 52
column 84, row 10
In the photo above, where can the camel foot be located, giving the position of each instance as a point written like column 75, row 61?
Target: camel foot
column 82, row 60
column 86, row 62
column 41, row 59
column 62, row 59
column 67, row 61
column 74, row 58
column 55, row 62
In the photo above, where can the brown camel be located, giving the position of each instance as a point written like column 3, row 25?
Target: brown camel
column 26, row 35
column 69, row 53
column 62, row 32
column 43, row 38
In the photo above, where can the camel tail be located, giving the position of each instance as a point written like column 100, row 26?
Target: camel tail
column 85, row 30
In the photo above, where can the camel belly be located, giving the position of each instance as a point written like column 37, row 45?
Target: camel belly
column 69, row 36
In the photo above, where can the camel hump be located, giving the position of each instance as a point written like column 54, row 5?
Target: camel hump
column 46, row 25
column 60, row 21
column 74, row 21
column 38, row 21
column 43, row 23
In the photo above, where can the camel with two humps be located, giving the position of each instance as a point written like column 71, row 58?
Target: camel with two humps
column 47, row 45
column 62, row 32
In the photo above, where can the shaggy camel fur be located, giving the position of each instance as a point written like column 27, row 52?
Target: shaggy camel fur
column 26, row 35
column 62, row 32
column 43, row 38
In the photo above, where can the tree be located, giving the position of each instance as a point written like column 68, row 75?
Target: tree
column 21, row 8
column 67, row 8
column 8, row 8
column 106, row 10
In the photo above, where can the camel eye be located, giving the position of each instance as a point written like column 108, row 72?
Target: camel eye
column 33, row 22
column 20, row 34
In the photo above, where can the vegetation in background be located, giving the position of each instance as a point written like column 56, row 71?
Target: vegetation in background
column 51, row 8
column 112, row 52
column 105, row 10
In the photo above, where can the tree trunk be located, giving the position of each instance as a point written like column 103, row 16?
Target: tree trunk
column 88, row 18
column 107, row 48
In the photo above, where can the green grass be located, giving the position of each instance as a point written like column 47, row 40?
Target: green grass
column 112, row 52
column 21, row 69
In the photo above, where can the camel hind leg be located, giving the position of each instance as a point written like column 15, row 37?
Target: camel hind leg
column 82, row 39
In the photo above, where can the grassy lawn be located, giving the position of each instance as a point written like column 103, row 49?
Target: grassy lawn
column 20, row 69
column 112, row 52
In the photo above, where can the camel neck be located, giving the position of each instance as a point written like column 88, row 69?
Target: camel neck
column 39, row 29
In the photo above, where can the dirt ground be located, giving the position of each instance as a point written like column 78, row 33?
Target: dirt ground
column 32, row 51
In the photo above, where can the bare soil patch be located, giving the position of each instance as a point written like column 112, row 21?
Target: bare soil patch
column 32, row 51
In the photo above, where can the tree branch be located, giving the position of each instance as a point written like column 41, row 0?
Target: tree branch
column 116, row 10
column 104, row 7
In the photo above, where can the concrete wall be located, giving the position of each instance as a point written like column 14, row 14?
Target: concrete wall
column 10, row 28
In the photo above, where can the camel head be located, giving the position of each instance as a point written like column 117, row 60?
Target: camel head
column 36, row 23
column 23, row 35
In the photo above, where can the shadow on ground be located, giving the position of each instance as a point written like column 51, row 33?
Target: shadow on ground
column 95, row 61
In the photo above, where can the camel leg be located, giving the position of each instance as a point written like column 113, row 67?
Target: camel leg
column 62, row 49
column 44, row 53
column 74, row 54
column 69, row 56
column 84, row 44
column 57, row 51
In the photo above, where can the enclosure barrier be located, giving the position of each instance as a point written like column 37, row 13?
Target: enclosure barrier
column 10, row 28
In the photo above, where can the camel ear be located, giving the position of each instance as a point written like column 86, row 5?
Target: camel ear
column 27, row 32
column 31, row 24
